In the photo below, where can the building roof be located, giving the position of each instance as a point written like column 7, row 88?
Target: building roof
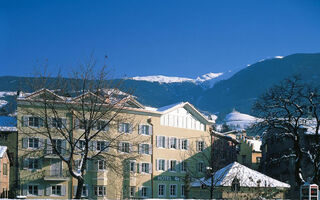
column 247, row 178
column 256, row 144
column 3, row 149
column 8, row 124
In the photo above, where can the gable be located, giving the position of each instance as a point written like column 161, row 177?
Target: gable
column 182, row 118
column 44, row 94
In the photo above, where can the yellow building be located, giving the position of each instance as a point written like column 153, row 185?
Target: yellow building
column 250, row 152
column 167, row 143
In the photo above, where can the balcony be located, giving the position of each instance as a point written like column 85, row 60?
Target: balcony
column 55, row 175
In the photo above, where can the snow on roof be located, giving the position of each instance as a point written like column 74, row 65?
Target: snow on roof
column 8, row 123
column 3, row 103
column 164, row 108
column 247, row 178
column 256, row 144
column 3, row 149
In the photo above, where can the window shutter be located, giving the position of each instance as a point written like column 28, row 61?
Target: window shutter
column 178, row 144
column 187, row 144
column 119, row 146
column 168, row 165
column 168, row 142
column 48, row 190
column 178, row 166
column 25, row 190
column 107, row 146
column 39, row 160
column 77, row 124
column 94, row 145
column 24, row 143
column 40, row 190
column 158, row 141
column 24, row 121
column 148, row 191
column 120, row 128
column 64, row 123
column 197, row 145
column 63, row 190
column 41, row 143
column 139, row 148
column 130, row 147
column 150, row 149
column 157, row 165
column 140, row 129
column 74, row 190
column 63, row 147
column 138, row 168
column 150, row 168
column 40, row 122
column 49, row 147
column 26, row 163
column 130, row 128
column 150, row 130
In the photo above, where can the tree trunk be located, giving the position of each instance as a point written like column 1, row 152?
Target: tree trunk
column 297, row 170
column 79, row 188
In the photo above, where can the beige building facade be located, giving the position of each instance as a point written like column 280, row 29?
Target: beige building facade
column 158, row 149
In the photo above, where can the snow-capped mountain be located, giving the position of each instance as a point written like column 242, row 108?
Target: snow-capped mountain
column 239, row 121
column 209, row 78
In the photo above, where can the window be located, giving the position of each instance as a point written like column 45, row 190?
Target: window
column 258, row 159
column 5, row 169
column 33, row 163
column 125, row 147
column 161, row 165
column 102, row 146
column 235, row 186
column 161, row 190
column 144, row 191
column 99, row 190
column 56, row 122
column 34, row 121
column 173, row 143
column 161, row 141
column 58, row 144
column 182, row 190
column 183, row 166
column 173, row 164
column 102, row 165
column 56, row 190
column 33, row 143
column 125, row 128
column 200, row 145
column 144, row 149
column 102, row 125
column 145, row 129
column 200, row 167
column 132, row 191
column 33, row 190
column 81, row 144
column 184, row 144
column 173, row 190
column 145, row 167
column 132, row 166
column 84, row 191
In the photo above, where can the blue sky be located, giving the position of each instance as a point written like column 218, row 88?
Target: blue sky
column 149, row 37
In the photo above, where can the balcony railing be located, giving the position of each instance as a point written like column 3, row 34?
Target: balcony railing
column 55, row 175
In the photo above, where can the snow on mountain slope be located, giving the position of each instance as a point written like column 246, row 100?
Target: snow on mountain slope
column 172, row 79
column 239, row 121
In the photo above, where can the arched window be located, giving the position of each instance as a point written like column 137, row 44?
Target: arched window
column 235, row 187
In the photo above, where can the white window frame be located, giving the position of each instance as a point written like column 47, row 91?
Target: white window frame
column 164, row 164
column 183, row 192
column 201, row 168
column 143, row 149
column 56, row 190
column 132, row 164
column 98, row 189
column 146, row 167
column 102, row 145
column 33, row 142
column 33, row 162
column 144, row 129
column 132, row 189
column 184, row 143
column 170, row 166
column 31, row 194
column 125, row 127
column 146, row 191
column 124, row 147
column 201, row 147
column 57, row 122
column 162, row 140
column 102, row 163
column 33, row 121
column 164, row 190
column 175, row 195
column 171, row 139
column 184, row 164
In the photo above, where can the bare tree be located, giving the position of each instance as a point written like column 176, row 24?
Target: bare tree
column 286, row 110
column 82, row 119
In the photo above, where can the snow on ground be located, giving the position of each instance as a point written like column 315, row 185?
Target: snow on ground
column 6, row 93
column 279, row 57
column 247, row 178
column 3, row 103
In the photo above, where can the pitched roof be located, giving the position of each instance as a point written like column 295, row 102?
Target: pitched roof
column 247, row 178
